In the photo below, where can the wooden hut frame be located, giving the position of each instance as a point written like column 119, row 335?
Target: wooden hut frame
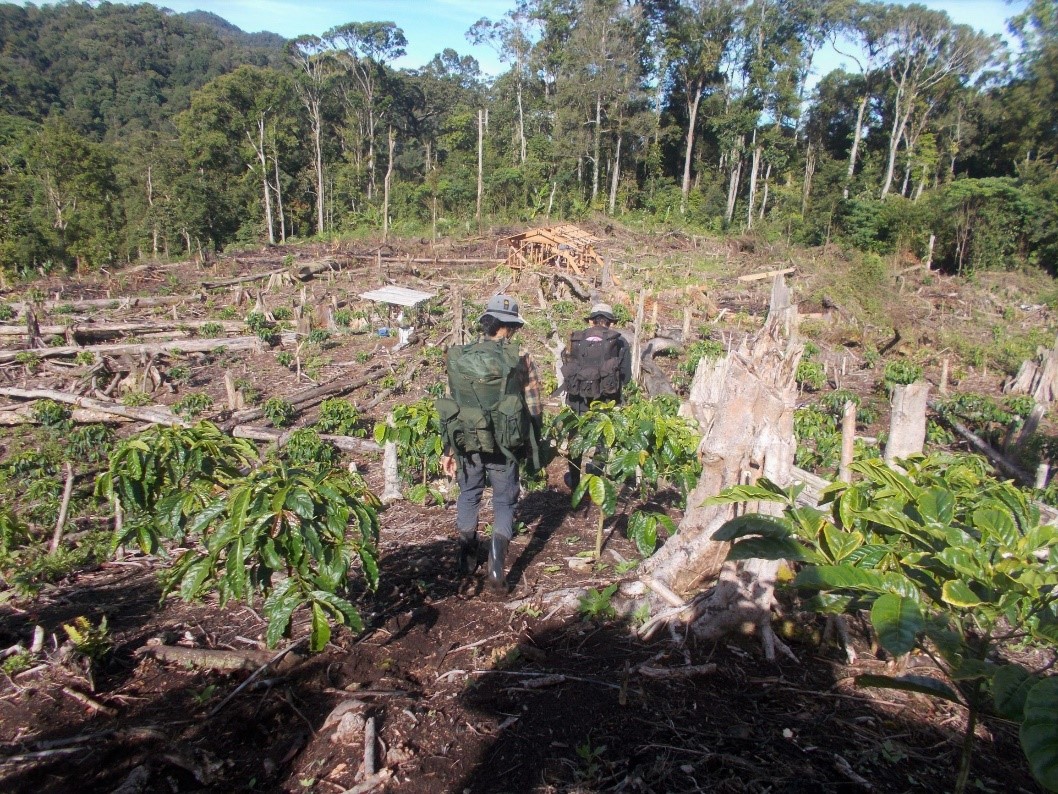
column 568, row 248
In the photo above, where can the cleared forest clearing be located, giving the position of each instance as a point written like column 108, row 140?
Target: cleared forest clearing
column 447, row 689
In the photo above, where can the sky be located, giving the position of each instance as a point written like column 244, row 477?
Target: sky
column 432, row 25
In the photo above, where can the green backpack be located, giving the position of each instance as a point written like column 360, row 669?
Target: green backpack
column 486, row 411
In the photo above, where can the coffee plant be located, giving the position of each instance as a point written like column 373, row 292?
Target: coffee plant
column 288, row 534
column 279, row 411
column 339, row 417
column 647, row 445
column 948, row 561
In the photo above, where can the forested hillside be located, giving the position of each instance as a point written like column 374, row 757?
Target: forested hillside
column 129, row 131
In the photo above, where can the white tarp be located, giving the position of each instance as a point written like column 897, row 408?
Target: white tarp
column 398, row 296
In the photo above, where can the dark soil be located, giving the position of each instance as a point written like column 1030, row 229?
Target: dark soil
column 469, row 691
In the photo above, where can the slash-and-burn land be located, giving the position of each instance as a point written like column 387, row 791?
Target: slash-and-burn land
column 447, row 688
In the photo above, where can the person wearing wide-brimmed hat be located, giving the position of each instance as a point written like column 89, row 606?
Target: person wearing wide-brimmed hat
column 598, row 364
column 498, row 324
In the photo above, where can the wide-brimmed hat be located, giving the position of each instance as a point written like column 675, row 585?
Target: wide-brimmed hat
column 602, row 310
column 504, row 308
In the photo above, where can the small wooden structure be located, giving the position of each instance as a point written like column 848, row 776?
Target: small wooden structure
column 568, row 248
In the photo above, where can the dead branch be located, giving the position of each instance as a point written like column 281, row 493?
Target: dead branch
column 64, row 508
column 214, row 659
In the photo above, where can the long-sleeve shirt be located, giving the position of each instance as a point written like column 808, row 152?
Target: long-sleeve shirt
column 532, row 388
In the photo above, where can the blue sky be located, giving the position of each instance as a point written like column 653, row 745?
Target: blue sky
column 432, row 25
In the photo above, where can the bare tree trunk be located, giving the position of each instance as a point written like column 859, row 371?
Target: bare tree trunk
column 693, row 100
column 753, row 172
column 481, row 161
column 856, row 135
column 392, row 139
column 745, row 404
column 810, row 170
column 615, row 176
column 262, row 158
column 596, row 148
column 521, row 125
column 732, row 186
column 764, row 198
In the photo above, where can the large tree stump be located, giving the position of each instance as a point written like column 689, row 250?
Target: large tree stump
column 744, row 403
column 1038, row 378
column 907, row 422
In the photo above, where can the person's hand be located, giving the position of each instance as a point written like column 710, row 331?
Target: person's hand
column 448, row 465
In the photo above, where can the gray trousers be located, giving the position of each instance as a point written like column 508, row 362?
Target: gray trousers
column 472, row 473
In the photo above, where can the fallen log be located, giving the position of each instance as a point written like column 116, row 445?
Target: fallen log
column 79, row 416
column 179, row 345
column 126, row 302
column 766, row 274
column 154, row 414
column 280, row 437
column 118, row 329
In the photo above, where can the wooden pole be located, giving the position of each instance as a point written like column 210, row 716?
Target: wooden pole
column 637, row 338
column 1041, row 476
column 64, row 509
column 848, row 438
column 943, row 387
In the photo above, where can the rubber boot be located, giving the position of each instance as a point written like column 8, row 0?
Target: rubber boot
column 497, row 579
column 467, row 556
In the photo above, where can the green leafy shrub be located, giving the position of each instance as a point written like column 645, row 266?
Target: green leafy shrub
column 178, row 373
column 340, row 417
column 415, row 428
column 262, row 327
column 212, row 329
column 285, row 358
column 7, row 312
column 810, row 375
column 279, row 411
column 901, row 372
column 136, row 399
column 89, row 443
column 282, row 313
column 948, row 562
column 342, row 317
column 305, row 448
column 306, row 525
column 708, row 349
column 53, row 416
column 193, row 404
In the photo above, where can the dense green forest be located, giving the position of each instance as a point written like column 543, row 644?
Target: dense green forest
column 130, row 131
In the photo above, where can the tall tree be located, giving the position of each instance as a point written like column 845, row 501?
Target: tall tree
column 926, row 54
column 315, row 68
column 363, row 49
column 232, row 129
column 699, row 39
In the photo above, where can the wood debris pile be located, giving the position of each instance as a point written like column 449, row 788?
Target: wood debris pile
column 567, row 248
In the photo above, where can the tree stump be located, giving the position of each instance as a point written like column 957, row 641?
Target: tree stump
column 907, row 423
column 744, row 403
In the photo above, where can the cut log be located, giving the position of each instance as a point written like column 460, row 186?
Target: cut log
column 745, row 404
column 766, row 274
column 95, row 330
column 280, row 437
column 127, row 302
column 179, row 345
column 157, row 414
column 81, row 416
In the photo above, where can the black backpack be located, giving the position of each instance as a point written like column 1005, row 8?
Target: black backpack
column 593, row 368
column 486, row 411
